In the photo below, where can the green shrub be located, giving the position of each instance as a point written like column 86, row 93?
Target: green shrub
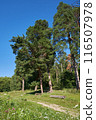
column 67, row 79
column 5, row 84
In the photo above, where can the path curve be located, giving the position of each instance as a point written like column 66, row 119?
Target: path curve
column 58, row 108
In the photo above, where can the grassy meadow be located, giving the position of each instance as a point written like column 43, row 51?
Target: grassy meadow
column 18, row 105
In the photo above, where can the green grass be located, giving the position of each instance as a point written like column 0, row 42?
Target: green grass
column 18, row 105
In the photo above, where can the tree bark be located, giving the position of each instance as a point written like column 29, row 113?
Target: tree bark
column 50, row 83
column 41, row 85
column 23, row 84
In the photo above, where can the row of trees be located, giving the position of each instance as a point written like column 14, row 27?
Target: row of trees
column 66, row 79
column 41, row 56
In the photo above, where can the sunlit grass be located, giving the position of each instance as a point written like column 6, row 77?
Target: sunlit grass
column 18, row 105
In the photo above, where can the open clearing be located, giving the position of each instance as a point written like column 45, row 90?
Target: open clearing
column 41, row 104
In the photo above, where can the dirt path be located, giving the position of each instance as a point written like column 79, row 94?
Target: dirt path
column 58, row 108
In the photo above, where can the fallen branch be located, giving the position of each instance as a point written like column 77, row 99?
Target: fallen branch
column 57, row 96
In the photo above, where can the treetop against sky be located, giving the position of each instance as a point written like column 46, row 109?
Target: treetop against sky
column 16, row 17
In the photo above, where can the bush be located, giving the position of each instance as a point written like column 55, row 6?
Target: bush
column 67, row 79
column 15, row 83
column 5, row 84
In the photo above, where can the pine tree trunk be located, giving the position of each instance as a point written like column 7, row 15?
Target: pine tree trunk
column 23, row 84
column 41, row 86
column 78, row 80
column 50, row 83
column 74, row 65
column 76, row 73
column 36, row 88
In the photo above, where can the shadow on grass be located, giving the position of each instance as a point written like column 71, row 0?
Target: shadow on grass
column 37, row 92
column 34, row 92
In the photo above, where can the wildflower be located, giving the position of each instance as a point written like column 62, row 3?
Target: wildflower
column 13, row 108
column 6, row 111
column 9, row 109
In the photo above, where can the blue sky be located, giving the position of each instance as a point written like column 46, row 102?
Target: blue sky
column 15, row 17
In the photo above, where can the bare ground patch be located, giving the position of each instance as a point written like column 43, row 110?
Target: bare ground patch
column 59, row 108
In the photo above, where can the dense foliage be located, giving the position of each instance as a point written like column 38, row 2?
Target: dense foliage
column 5, row 83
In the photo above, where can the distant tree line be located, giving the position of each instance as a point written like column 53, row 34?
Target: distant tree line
column 41, row 57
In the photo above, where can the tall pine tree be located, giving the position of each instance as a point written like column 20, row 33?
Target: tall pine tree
column 66, row 29
column 40, row 48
